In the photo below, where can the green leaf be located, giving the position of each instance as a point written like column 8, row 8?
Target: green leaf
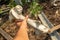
column 35, row 8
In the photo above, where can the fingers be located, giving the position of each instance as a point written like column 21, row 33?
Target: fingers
column 24, row 22
column 26, row 18
column 19, row 22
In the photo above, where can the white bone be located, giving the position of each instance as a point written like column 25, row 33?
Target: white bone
column 29, row 21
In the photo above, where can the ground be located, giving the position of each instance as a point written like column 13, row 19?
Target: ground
column 50, row 12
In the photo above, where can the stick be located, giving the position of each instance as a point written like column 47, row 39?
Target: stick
column 54, row 28
column 6, row 35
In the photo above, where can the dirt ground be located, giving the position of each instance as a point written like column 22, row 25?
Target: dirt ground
column 12, row 29
column 33, row 33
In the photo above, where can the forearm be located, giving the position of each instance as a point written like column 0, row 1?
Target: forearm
column 22, row 33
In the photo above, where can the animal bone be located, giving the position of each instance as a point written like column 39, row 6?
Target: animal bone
column 13, row 11
column 33, row 23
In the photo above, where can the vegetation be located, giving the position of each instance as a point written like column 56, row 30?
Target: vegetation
column 12, row 3
column 35, row 8
column 0, row 10
column 9, row 4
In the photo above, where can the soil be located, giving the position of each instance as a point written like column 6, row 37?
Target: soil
column 12, row 29
column 52, row 13
column 33, row 33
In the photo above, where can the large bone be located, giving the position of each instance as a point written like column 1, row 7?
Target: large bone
column 33, row 23
column 46, row 22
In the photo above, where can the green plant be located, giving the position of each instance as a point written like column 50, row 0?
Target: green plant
column 22, row 2
column 35, row 8
column 12, row 3
column 0, row 10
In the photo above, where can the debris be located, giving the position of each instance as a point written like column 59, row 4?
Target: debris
column 46, row 22
column 6, row 35
column 56, row 2
column 4, row 10
column 0, row 20
column 54, row 29
column 35, row 34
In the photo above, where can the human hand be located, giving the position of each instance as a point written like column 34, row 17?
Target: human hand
column 22, row 32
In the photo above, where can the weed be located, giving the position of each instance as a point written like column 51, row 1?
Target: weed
column 35, row 8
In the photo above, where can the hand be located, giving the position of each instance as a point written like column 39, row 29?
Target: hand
column 22, row 32
column 22, row 22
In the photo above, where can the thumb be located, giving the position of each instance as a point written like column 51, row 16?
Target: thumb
column 24, row 22
column 26, row 18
